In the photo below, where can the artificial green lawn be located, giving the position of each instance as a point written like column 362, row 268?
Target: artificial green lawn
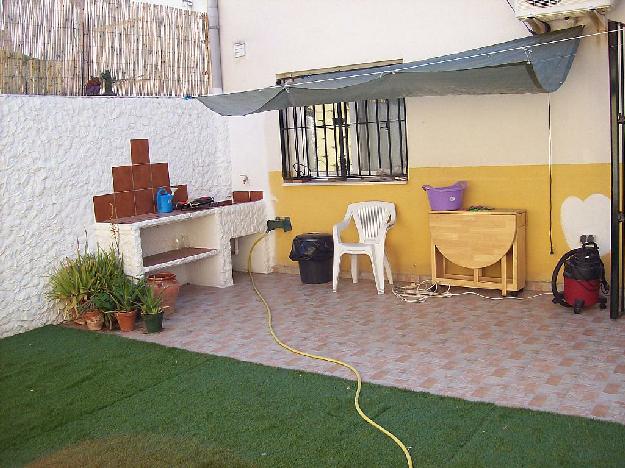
column 76, row 397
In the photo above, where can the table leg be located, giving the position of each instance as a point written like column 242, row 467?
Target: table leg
column 504, row 276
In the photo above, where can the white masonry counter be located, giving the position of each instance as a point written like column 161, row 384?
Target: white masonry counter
column 195, row 245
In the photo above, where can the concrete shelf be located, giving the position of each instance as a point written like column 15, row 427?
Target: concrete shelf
column 176, row 257
column 149, row 243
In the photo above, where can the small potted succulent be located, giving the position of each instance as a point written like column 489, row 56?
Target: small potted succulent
column 107, row 80
column 151, row 310
column 124, row 293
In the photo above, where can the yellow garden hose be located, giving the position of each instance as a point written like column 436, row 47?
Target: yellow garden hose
column 323, row 358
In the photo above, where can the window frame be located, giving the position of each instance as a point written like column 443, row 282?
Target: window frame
column 349, row 131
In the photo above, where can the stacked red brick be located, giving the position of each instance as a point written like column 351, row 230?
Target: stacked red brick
column 135, row 186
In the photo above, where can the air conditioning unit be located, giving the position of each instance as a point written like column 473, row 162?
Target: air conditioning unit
column 547, row 10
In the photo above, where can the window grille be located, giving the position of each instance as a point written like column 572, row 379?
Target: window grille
column 361, row 140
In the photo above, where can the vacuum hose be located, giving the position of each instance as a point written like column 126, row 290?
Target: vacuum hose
column 354, row 371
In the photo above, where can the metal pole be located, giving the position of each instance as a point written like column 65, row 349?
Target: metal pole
column 401, row 143
column 342, row 160
column 297, row 169
column 357, row 119
column 315, row 140
column 368, row 138
column 212, row 11
column 389, row 136
column 621, row 171
column 325, row 136
column 284, row 135
column 615, row 122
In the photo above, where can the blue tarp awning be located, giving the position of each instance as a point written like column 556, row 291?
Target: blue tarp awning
column 534, row 64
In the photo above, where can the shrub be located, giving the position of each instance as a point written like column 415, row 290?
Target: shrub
column 76, row 280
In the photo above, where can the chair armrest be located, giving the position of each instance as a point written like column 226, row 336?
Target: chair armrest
column 338, row 228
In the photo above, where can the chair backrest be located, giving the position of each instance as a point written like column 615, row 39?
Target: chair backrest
column 371, row 217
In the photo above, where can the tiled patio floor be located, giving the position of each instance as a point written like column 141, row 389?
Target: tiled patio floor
column 529, row 354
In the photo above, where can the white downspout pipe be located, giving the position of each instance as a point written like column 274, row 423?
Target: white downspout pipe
column 212, row 10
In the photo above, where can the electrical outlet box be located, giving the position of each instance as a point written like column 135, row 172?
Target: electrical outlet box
column 239, row 49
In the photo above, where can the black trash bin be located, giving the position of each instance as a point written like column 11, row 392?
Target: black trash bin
column 314, row 252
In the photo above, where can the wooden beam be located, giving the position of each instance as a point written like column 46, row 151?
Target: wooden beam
column 339, row 68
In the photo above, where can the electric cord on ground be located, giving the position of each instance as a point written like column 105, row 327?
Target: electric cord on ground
column 421, row 292
column 351, row 368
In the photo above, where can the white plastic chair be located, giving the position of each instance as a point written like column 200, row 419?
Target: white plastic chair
column 373, row 220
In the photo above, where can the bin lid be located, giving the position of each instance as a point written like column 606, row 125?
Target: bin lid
column 312, row 246
column 313, row 235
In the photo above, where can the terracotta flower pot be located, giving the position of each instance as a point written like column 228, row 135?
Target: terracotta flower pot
column 165, row 286
column 94, row 319
column 126, row 320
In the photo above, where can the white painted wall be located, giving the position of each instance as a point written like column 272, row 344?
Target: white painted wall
column 249, row 146
column 283, row 35
column 57, row 152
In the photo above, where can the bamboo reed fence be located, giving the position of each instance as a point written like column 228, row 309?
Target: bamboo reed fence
column 56, row 46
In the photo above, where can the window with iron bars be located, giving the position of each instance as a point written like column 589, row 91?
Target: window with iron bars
column 345, row 141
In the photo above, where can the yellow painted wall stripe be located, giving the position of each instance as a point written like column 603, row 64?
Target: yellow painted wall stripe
column 316, row 208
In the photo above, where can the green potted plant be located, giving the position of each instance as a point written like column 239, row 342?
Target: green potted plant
column 72, row 283
column 124, row 292
column 110, row 270
column 151, row 309
column 76, row 282
column 108, row 80
column 103, row 301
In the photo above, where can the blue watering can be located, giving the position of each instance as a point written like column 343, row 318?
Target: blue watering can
column 164, row 201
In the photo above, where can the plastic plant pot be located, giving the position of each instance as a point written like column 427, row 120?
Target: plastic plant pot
column 153, row 322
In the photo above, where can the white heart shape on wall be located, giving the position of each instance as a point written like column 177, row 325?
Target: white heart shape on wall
column 591, row 216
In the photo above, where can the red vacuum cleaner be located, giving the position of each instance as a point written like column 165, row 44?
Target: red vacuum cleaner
column 584, row 278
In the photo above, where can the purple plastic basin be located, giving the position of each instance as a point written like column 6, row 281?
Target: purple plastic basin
column 446, row 198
